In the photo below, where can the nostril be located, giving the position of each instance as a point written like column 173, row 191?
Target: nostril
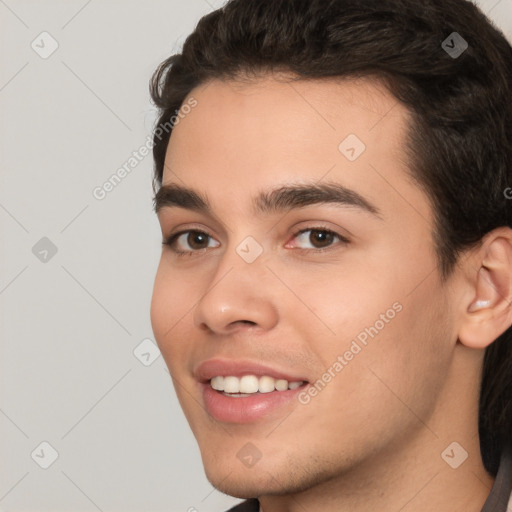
column 238, row 323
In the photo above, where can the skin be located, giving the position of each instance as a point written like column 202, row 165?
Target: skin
column 372, row 439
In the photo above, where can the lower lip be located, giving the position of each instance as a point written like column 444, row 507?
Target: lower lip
column 246, row 409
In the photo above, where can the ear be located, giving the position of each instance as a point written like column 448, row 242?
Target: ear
column 488, row 308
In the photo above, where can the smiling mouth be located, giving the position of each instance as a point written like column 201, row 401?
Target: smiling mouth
column 249, row 385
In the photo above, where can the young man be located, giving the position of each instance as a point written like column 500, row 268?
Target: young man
column 334, row 294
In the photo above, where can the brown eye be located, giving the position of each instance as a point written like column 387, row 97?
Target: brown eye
column 197, row 240
column 317, row 238
column 191, row 241
column 320, row 238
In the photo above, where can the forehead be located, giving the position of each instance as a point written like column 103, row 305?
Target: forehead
column 246, row 136
column 277, row 111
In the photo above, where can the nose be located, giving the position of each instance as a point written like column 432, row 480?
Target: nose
column 240, row 295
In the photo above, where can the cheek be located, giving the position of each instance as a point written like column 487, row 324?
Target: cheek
column 171, row 306
column 334, row 304
column 394, row 342
column 404, row 365
column 380, row 389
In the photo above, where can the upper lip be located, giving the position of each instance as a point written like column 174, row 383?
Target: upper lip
column 238, row 368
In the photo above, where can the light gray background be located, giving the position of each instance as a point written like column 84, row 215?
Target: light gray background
column 69, row 325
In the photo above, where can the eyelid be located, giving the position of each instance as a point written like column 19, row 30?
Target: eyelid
column 318, row 227
column 186, row 227
column 171, row 240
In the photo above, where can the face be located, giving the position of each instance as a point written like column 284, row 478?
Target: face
column 299, row 280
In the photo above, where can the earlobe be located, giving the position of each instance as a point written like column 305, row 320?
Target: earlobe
column 489, row 312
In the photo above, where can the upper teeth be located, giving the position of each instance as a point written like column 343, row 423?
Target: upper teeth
column 251, row 384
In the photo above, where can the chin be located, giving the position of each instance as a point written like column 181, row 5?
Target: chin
column 261, row 480
column 242, row 484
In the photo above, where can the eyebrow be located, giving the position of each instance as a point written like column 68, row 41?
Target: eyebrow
column 282, row 199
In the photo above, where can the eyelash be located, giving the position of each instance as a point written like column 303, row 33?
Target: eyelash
column 170, row 240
